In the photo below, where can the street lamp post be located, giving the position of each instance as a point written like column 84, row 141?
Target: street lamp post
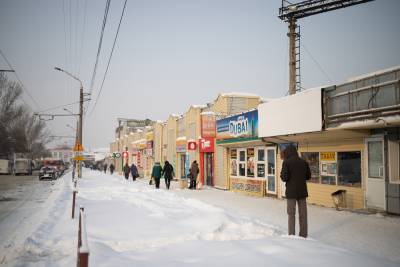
column 80, row 141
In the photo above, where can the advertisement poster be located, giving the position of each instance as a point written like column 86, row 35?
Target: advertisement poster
column 250, row 162
column 244, row 125
column 181, row 145
column 208, row 125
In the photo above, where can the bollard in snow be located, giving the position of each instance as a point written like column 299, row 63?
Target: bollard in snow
column 83, row 248
column 73, row 202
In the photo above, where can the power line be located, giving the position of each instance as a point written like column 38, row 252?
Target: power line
column 100, row 44
column 109, row 59
column 61, row 106
column 316, row 63
column 19, row 80
column 82, row 37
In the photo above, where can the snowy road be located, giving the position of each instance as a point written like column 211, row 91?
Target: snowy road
column 133, row 224
column 22, row 199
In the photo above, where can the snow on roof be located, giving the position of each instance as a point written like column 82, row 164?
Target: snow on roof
column 174, row 115
column 181, row 138
column 198, row 106
column 139, row 131
column 207, row 113
column 160, row 121
column 375, row 73
column 233, row 94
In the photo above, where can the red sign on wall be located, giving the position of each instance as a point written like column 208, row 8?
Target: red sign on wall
column 206, row 145
column 192, row 145
column 125, row 154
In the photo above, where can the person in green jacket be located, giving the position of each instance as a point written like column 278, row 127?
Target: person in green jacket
column 156, row 173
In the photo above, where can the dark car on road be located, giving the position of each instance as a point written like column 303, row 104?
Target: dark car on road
column 48, row 172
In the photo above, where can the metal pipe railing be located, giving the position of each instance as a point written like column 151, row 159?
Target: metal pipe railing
column 83, row 248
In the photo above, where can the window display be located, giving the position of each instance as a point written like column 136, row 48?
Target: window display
column 349, row 167
column 260, row 170
column 313, row 161
column 233, row 162
column 250, row 162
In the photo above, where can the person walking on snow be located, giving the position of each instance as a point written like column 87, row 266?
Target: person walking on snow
column 156, row 174
column 295, row 172
column 168, row 172
column 105, row 167
column 194, row 171
column 112, row 168
column 126, row 171
column 134, row 172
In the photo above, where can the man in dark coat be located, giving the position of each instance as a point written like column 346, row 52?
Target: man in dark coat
column 105, row 167
column 126, row 171
column 112, row 168
column 295, row 172
column 194, row 171
column 156, row 174
column 134, row 172
column 168, row 172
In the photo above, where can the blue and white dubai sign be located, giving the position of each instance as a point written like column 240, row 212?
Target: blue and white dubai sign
column 242, row 125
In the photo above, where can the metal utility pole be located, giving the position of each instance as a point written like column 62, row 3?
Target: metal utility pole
column 291, row 13
column 78, row 145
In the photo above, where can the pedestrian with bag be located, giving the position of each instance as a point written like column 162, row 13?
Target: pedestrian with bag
column 168, row 172
column 134, row 172
column 126, row 171
column 194, row 171
column 156, row 174
column 295, row 172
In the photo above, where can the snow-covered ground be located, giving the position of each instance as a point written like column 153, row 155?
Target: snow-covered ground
column 132, row 224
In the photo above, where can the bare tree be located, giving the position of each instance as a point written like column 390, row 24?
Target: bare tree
column 20, row 131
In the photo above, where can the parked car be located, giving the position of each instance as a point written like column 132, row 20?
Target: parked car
column 48, row 172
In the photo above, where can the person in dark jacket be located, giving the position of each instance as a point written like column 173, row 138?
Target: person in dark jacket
column 112, row 168
column 105, row 167
column 134, row 172
column 194, row 171
column 295, row 172
column 168, row 172
column 156, row 174
column 126, row 171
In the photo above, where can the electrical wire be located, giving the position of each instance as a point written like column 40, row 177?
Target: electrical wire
column 82, row 37
column 109, row 59
column 316, row 63
column 60, row 106
column 19, row 80
column 100, row 44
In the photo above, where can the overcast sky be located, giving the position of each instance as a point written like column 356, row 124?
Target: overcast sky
column 173, row 53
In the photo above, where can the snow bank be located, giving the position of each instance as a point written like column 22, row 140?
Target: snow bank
column 133, row 224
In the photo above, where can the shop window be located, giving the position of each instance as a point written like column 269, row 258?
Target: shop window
column 349, row 168
column 250, row 162
column 271, row 162
column 260, row 170
column 242, row 169
column 313, row 161
column 260, row 155
column 271, row 183
column 242, row 155
column 328, row 179
column 234, row 162
column 242, row 162
column 394, row 161
column 375, row 159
